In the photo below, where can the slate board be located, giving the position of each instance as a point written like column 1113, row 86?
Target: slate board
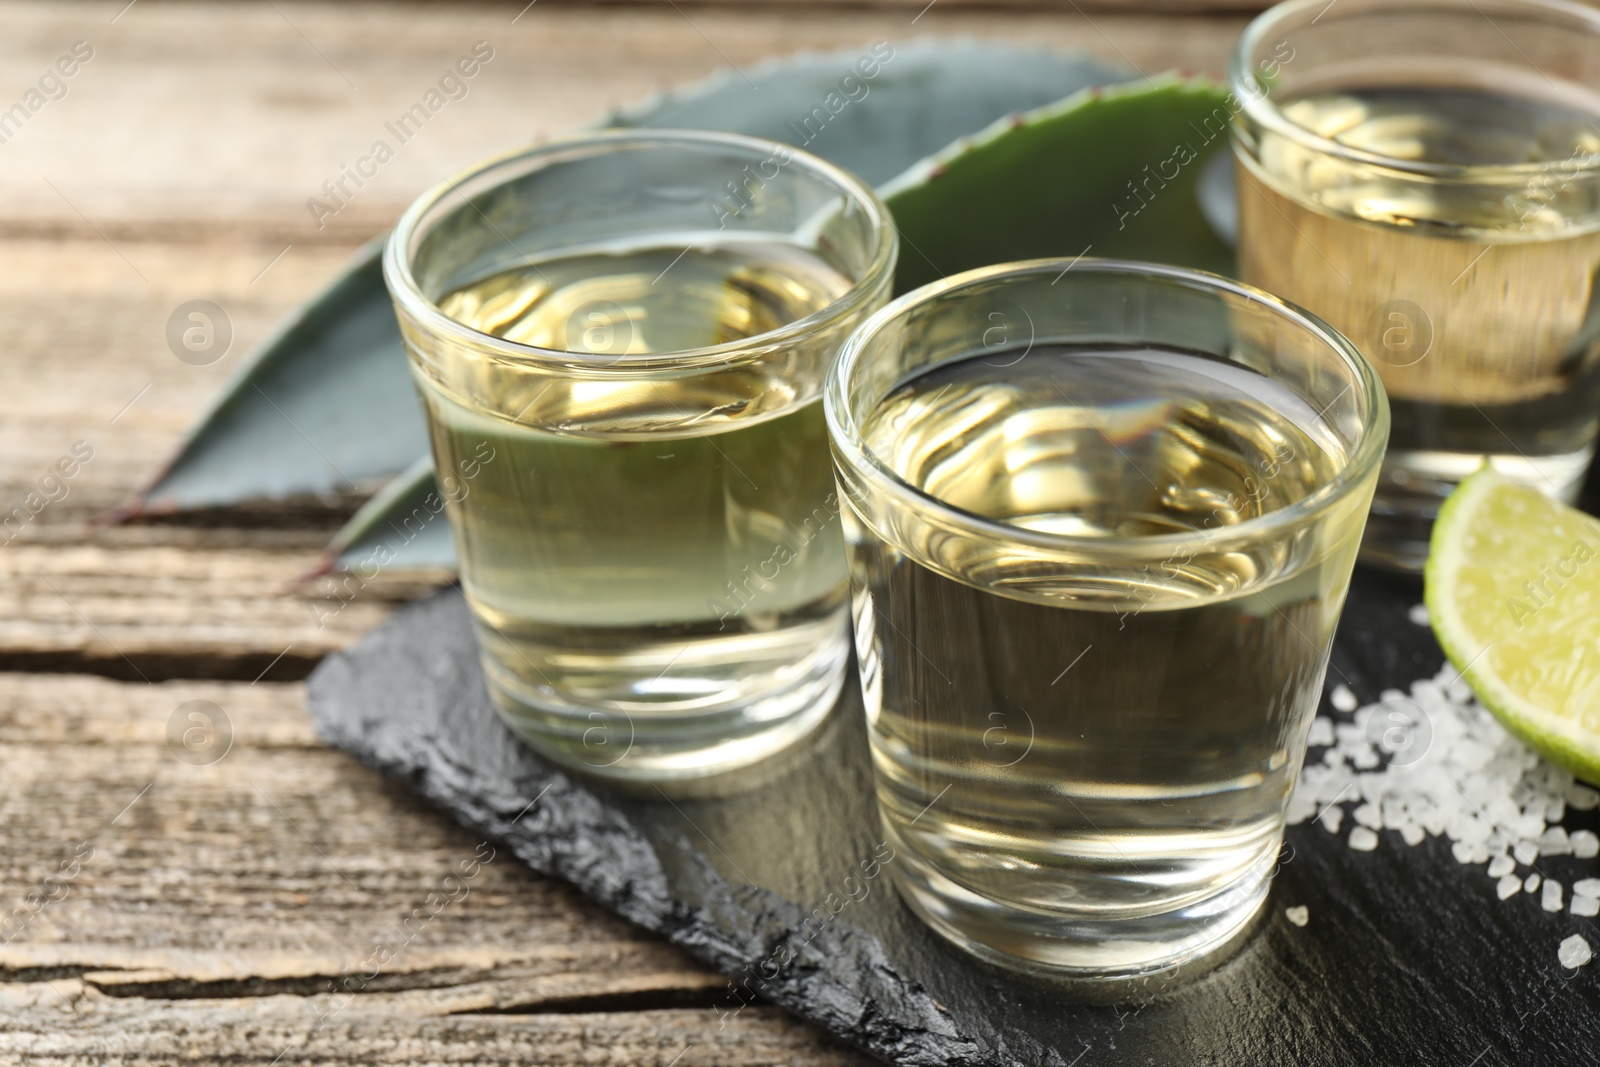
column 1408, row 957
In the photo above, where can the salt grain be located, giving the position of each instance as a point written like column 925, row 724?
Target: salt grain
column 1574, row 952
column 1299, row 915
column 1458, row 775
column 1321, row 732
column 1555, row 842
column 1418, row 614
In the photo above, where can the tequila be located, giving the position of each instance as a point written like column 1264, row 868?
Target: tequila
column 1471, row 285
column 1088, row 682
column 621, row 339
column 646, row 547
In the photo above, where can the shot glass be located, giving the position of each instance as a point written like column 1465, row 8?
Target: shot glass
column 1101, row 518
column 1425, row 176
column 621, row 340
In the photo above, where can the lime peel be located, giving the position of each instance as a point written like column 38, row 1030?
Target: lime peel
column 1513, row 595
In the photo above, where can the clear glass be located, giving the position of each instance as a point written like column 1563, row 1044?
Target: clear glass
column 1426, row 178
column 1101, row 518
column 621, row 340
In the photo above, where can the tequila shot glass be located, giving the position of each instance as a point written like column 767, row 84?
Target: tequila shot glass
column 1101, row 518
column 623, row 336
column 1425, row 177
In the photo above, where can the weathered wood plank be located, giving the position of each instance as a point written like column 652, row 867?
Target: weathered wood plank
column 66, row 1022
column 145, row 613
column 280, row 867
column 223, row 119
column 86, row 362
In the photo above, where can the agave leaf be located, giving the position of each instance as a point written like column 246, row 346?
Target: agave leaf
column 327, row 405
column 1106, row 172
column 923, row 96
column 397, row 528
column 1052, row 182
column 324, row 405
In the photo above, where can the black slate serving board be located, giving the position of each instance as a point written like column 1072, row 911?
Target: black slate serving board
column 1408, row 957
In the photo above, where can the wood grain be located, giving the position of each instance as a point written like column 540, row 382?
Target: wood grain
column 283, row 867
column 218, row 121
column 149, row 612
column 62, row 1022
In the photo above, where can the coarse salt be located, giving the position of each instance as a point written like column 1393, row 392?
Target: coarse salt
column 1574, row 952
column 1435, row 762
column 1555, row 842
column 1580, row 797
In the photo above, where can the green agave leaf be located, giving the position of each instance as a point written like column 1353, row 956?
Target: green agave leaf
column 396, row 528
column 1107, row 172
column 1058, row 181
column 924, row 96
column 326, row 404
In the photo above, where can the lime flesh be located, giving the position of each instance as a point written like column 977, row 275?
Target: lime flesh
column 1513, row 594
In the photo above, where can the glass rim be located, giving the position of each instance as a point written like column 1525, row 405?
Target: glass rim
column 1257, row 105
column 1362, row 460
column 406, row 292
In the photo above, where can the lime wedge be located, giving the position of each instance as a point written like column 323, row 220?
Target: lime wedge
column 1513, row 593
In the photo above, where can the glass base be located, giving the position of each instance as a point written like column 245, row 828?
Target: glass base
column 735, row 718
column 1413, row 485
column 1191, row 939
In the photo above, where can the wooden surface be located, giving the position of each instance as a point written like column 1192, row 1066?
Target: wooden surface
column 164, row 911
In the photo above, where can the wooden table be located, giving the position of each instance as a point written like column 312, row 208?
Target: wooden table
column 164, row 911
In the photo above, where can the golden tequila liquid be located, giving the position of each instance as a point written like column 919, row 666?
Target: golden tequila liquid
column 648, row 555
column 1475, row 297
column 1089, row 758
